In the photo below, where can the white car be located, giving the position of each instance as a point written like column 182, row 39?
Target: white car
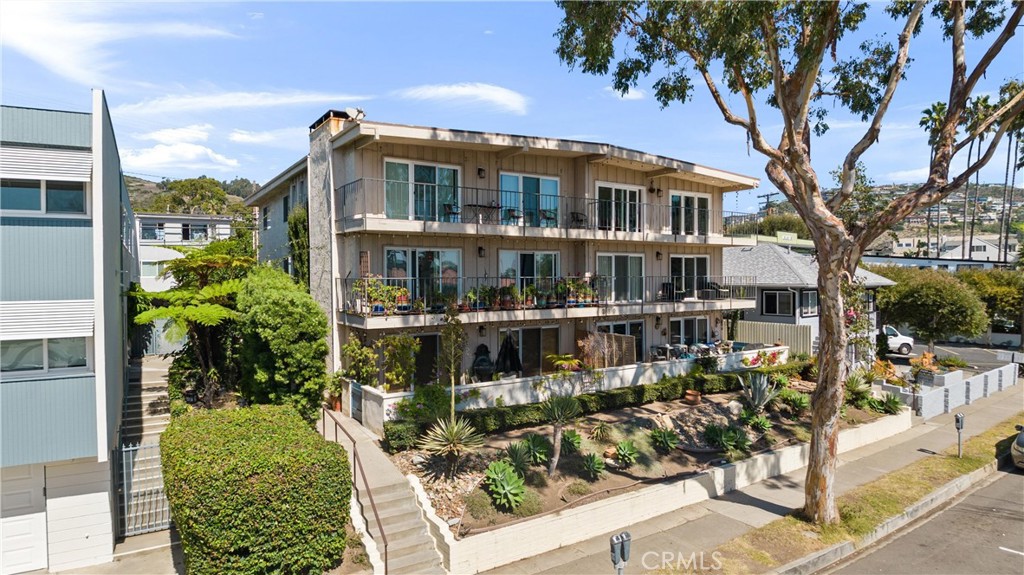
column 899, row 343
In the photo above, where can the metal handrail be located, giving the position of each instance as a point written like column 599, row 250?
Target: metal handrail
column 358, row 466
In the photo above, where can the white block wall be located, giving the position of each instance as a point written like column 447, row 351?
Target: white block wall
column 79, row 522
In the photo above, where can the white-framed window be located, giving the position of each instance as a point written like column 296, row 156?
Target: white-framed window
column 691, row 213
column 529, row 200
column 618, row 207
column 43, row 356
column 634, row 328
column 152, row 231
column 778, row 303
column 266, row 217
column 52, row 197
column 689, row 330
column 809, row 303
column 625, row 273
column 153, row 269
column 431, row 274
column 539, row 269
column 980, row 248
column 419, row 190
column 535, row 344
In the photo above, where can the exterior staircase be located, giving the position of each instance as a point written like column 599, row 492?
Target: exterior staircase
column 410, row 547
column 147, row 409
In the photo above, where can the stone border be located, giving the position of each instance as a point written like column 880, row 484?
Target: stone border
column 826, row 557
column 490, row 549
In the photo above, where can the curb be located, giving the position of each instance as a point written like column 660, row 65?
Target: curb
column 826, row 557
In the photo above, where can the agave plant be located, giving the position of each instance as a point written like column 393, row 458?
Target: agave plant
column 797, row 402
column 593, row 466
column 858, row 390
column 538, row 447
column 517, row 454
column 571, row 441
column 626, row 453
column 451, row 439
column 601, row 432
column 760, row 423
column 891, row 404
column 505, row 486
column 559, row 410
column 758, row 391
column 664, row 439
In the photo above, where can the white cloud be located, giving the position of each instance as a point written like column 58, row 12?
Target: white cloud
column 187, row 134
column 904, row 176
column 632, row 94
column 499, row 98
column 224, row 100
column 283, row 137
column 176, row 157
column 255, row 15
column 70, row 38
column 488, row 32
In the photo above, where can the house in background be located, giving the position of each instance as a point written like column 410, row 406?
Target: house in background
column 68, row 254
column 158, row 234
column 274, row 202
column 787, row 294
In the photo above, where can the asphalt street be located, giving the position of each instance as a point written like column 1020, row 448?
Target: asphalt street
column 982, row 534
column 980, row 358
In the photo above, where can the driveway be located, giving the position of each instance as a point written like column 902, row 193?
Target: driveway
column 979, row 358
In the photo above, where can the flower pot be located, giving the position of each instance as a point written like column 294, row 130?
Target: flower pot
column 337, row 404
column 692, row 397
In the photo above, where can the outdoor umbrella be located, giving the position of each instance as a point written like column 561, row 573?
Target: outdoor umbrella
column 508, row 357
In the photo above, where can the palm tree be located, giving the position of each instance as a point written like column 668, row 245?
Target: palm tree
column 980, row 109
column 931, row 120
column 559, row 410
column 1013, row 135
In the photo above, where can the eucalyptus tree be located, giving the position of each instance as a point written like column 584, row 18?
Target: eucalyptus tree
column 778, row 51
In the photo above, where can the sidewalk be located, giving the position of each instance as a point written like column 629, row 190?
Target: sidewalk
column 705, row 526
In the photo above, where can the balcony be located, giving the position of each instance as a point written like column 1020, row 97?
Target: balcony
column 387, row 206
column 390, row 302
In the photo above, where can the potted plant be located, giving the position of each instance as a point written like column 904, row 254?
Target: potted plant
column 372, row 291
column 542, row 298
column 530, row 294
column 401, row 299
column 335, row 389
column 561, row 292
column 419, row 306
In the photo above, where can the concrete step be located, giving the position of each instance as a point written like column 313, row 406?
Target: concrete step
column 423, row 561
column 146, row 425
column 409, row 544
column 392, row 515
column 132, row 419
column 411, row 527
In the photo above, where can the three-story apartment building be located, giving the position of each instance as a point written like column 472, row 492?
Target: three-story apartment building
column 67, row 256
column 538, row 239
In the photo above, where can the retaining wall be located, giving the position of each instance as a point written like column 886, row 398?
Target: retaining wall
column 951, row 390
column 492, row 549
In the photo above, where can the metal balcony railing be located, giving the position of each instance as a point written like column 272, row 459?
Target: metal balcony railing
column 386, row 296
column 383, row 199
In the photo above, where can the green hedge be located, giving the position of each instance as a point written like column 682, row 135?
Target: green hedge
column 401, row 435
column 255, row 490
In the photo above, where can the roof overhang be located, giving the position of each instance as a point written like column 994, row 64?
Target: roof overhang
column 362, row 134
column 278, row 180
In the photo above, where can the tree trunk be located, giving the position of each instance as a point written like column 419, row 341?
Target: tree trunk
column 827, row 399
column 556, row 450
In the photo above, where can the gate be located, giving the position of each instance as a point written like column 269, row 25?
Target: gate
column 356, row 398
column 143, row 505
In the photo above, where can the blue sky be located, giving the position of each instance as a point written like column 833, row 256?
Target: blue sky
column 229, row 89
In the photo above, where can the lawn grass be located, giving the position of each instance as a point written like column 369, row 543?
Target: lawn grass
column 864, row 508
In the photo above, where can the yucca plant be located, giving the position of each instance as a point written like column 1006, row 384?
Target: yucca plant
column 538, row 447
column 559, row 410
column 664, row 439
column 858, row 389
column 517, row 454
column 601, row 432
column 451, row 439
column 758, row 391
column 626, row 453
column 891, row 404
column 504, row 485
column 571, row 441
column 593, row 466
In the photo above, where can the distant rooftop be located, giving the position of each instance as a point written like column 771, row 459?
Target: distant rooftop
column 777, row 266
column 47, row 128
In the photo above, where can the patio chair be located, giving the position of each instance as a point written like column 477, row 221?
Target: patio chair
column 452, row 213
column 578, row 220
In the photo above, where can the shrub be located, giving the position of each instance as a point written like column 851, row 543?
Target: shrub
column 571, row 441
column 602, row 432
column 797, row 402
column 664, row 439
column 857, row 389
column 400, row 435
column 451, row 439
column 478, row 505
column 626, row 453
column 179, row 408
column 593, row 466
column 428, row 404
column 517, row 454
column 729, row 439
column 708, row 364
column 255, row 490
column 578, row 488
column 530, row 505
column 538, row 447
column 504, row 485
column 951, row 361
column 760, row 423
column 891, row 404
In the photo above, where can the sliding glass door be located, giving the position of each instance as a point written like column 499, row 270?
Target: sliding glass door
column 688, row 330
column 529, row 200
column 626, row 274
column 420, row 191
column 689, row 273
column 691, row 213
column 618, row 208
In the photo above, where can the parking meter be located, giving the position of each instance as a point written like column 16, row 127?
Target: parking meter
column 626, row 539
column 616, row 545
column 619, row 545
column 958, row 421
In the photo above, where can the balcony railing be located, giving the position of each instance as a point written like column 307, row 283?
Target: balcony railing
column 382, row 199
column 386, row 296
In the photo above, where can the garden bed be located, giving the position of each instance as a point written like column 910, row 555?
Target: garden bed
column 467, row 508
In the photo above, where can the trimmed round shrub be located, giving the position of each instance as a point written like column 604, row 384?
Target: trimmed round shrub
column 255, row 490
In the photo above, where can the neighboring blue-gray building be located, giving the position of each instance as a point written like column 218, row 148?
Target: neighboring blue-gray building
column 68, row 254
